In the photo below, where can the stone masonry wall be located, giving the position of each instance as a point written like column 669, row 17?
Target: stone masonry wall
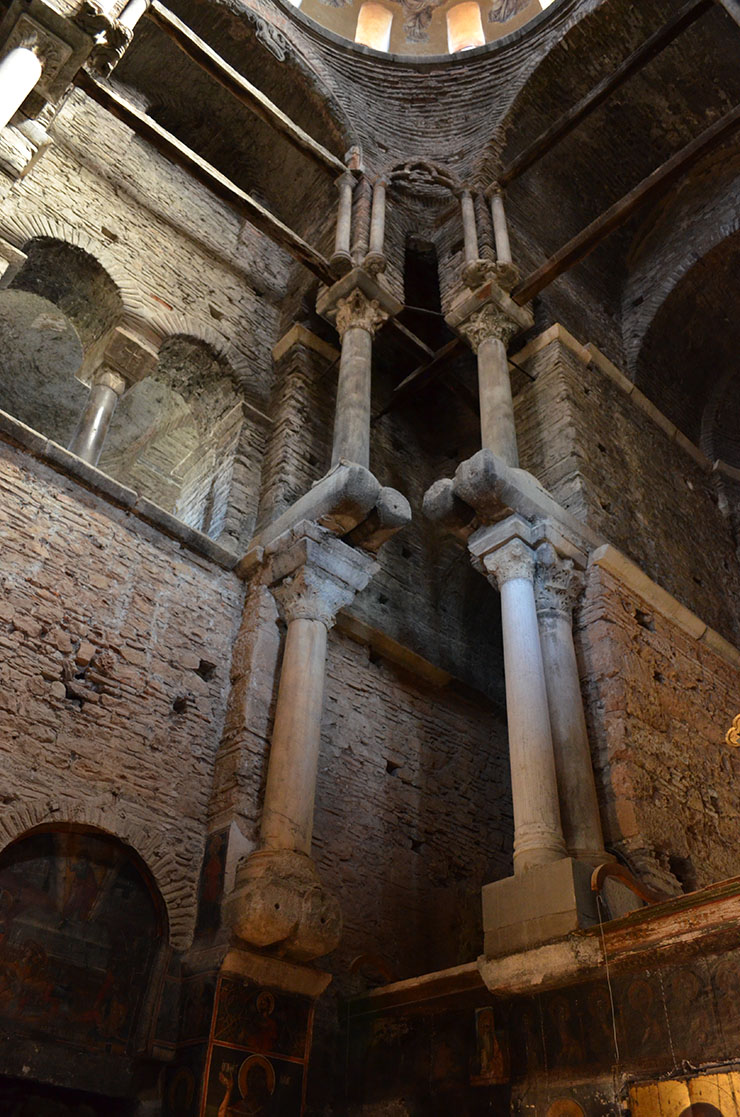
column 659, row 704
column 115, row 647
column 606, row 461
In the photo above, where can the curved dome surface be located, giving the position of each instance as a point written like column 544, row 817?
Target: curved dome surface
column 421, row 27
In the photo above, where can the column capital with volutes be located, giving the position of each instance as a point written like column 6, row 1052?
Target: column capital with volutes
column 313, row 575
column 558, row 583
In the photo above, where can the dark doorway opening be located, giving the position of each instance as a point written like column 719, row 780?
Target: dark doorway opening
column 30, row 1099
column 423, row 311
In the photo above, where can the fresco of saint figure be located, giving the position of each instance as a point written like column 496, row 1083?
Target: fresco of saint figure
column 504, row 10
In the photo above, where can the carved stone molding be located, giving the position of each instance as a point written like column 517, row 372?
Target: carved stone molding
column 269, row 35
column 488, row 322
column 514, row 560
column 358, row 311
column 313, row 595
column 557, row 583
column 52, row 51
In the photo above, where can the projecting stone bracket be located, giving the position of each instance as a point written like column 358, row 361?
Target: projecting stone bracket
column 279, row 903
column 349, row 502
column 485, row 491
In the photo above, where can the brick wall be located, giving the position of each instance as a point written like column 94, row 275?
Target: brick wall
column 613, row 467
column 659, row 704
column 114, row 650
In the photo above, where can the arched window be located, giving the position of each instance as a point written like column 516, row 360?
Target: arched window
column 374, row 26
column 464, row 27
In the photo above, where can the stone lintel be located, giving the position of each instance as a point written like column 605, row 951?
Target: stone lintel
column 466, row 303
column 299, row 335
column 328, row 299
column 63, row 45
column 276, row 972
column 308, row 545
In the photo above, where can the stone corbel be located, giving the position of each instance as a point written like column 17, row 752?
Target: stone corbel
column 357, row 299
column 62, row 45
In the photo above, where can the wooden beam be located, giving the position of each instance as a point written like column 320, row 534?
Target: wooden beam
column 617, row 215
column 732, row 7
column 649, row 50
column 420, row 377
column 169, row 146
column 207, row 58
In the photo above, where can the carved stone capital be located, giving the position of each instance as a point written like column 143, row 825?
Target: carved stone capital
column 557, row 583
column 514, row 560
column 488, row 322
column 313, row 575
column 357, row 310
column 312, row 595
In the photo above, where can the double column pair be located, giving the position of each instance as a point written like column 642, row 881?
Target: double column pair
column 556, row 813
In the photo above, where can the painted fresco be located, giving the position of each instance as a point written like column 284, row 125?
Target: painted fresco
column 242, row 1049
column 79, row 933
column 259, row 1047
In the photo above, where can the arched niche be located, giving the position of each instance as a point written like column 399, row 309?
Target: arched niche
column 174, row 435
column 82, row 934
column 41, row 355
column 53, row 316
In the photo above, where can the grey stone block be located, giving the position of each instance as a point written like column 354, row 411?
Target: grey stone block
column 543, row 904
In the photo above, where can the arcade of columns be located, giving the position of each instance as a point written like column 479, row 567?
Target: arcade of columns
column 321, row 552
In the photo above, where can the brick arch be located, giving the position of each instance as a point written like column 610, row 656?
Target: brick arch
column 19, row 229
column 171, row 323
column 171, row 879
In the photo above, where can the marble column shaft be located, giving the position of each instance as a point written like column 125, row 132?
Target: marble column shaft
column 105, row 391
column 488, row 332
column 357, row 320
column 538, row 836
column 20, row 70
column 557, row 585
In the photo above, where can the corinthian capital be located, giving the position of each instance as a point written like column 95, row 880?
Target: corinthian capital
column 489, row 321
column 357, row 310
column 514, row 560
column 557, row 583
column 312, row 595
column 313, row 575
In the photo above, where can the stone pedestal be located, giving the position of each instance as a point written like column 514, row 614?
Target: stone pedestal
column 545, row 903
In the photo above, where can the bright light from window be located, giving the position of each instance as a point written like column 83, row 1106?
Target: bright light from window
column 464, row 27
column 374, row 26
column 546, row 4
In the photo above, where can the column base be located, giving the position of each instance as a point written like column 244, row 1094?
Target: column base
column 545, row 903
column 279, row 903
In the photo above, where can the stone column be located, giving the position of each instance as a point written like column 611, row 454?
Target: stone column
column 278, row 897
column 106, row 389
column 557, row 586
column 357, row 320
column 20, row 71
column 341, row 261
column 538, row 836
column 488, row 332
column 375, row 259
column 124, row 358
column 470, row 232
column 500, row 227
